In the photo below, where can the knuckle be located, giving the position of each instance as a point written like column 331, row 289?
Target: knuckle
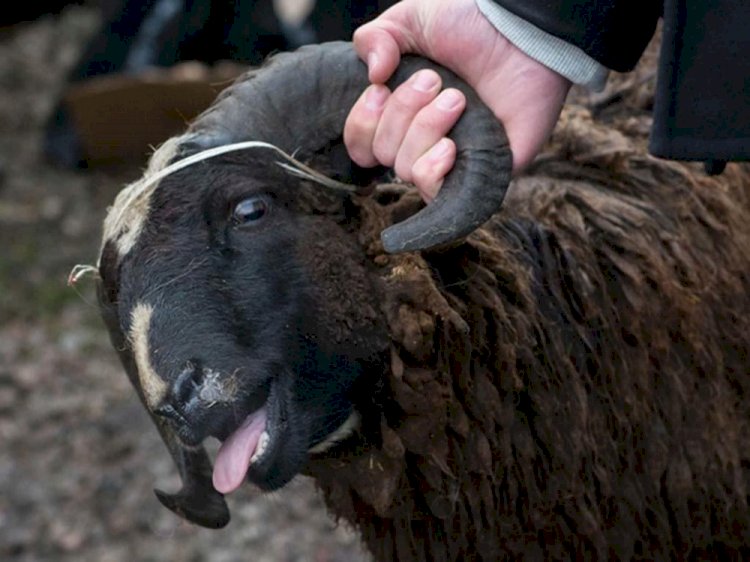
column 354, row 141
column 430, row 122
column 362, row 36
column 433, row 119
column 404, row 102
column 450, row 100
column 383, row 151
column 423, row 176
column 425, row 81
column 361, row 123
column 407, row 98
column 357, row 138
column 403, row 168
column 356, row 128
column 361, row 156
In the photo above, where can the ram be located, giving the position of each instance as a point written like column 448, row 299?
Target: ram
column 566, row 377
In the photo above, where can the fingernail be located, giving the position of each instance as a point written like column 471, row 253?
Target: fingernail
column 375, row 97
column 372, row 60
column 449, row 100
column 424, row 81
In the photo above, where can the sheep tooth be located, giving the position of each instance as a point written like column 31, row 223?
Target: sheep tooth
column 261, row 447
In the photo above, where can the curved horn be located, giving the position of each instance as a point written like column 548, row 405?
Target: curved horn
column 299, row 102
column 197, row 500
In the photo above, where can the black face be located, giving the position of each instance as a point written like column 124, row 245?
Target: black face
column 238, row 303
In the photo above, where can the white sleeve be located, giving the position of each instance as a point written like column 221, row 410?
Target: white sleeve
column 554, row 53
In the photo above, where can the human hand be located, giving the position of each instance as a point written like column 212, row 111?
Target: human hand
column 406, row 129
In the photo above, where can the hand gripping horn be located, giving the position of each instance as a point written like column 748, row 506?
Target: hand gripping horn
column 299, row 102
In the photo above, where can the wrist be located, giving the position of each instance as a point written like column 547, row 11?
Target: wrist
column 565, row 59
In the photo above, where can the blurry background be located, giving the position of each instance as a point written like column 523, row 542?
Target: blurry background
column 79, row 456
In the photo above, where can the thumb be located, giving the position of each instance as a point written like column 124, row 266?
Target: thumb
column 381, row 42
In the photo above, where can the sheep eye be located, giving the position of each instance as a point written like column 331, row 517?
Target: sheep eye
column 249, row 211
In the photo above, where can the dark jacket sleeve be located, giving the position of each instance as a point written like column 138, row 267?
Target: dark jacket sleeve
column 701, row 110
column 613, row 32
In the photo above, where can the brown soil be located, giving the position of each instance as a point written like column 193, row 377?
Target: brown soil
column 79, row 456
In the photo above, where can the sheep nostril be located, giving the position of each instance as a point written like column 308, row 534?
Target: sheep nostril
column 184, row 430
column 182, row 395
column 169, row 412
column 187, row 385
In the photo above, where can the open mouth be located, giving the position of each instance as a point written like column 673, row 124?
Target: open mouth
column 246, row 446
column 257, row 446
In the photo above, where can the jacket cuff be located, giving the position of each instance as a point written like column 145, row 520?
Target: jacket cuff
column 554, row 53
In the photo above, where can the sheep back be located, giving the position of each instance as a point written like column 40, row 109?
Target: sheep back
column 572, row 380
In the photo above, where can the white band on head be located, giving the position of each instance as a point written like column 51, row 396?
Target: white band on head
column 125, row 219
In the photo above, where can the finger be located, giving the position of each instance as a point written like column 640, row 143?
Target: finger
column 429, row 171
column 430, row 125
column 380, row 42
column 403, row 105
column 377, row 47
column 361, row 124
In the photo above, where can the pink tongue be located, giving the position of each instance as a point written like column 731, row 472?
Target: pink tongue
column 233, row 458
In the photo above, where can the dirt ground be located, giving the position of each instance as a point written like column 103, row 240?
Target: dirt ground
column 79, row 456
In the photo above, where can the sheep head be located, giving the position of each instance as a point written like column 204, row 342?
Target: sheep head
column 237, row 295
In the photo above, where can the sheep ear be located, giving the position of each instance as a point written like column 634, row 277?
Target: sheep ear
column 197, row 500
column 299, row 102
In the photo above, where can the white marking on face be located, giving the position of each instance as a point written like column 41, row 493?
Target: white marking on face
column 153, row 387
column 124, row 222
column 338, row 435
column 125, row 219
